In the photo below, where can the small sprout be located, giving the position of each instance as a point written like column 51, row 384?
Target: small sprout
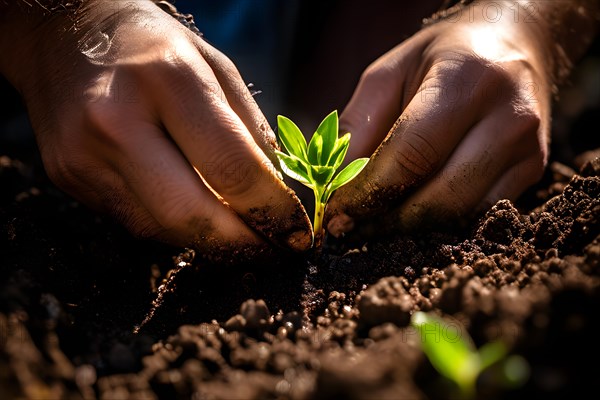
column 452, row 353
column 315, row 164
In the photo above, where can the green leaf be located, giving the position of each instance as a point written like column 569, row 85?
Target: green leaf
column 345, row 176
column 491, row 353
column 321, row 175
column 292, row 138
column 315, row 147
column 339, row 151
column 328, row 130
column 295, row 168
column 448, row 348
column 315, row 164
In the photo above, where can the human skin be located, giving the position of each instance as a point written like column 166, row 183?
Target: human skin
column 138, row 117
column 458, row 116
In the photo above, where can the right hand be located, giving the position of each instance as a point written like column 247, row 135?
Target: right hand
column 454, row 119
column 137, row 116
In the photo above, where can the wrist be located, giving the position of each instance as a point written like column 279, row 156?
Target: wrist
column 568, row 28
column 556, row 33
column 35, row 38
column 25, row 30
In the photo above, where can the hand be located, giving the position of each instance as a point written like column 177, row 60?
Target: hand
column 137, row 116
column 458, row 117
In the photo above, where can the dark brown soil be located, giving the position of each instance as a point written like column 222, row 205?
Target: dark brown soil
column 88, row 312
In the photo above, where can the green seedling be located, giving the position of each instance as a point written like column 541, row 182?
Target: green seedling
column 315, row 164
column 452, row 353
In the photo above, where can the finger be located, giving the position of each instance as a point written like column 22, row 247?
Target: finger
column 187, row 212
column 126, row 209
column 371, row 111
column 217, row 143
column 239, row 98
column 379, row 98
column 493, row 146
column 420, row 142
column 98, row 186
column 514, row 182
column 116, row 198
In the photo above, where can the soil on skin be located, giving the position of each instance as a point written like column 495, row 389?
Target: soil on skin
column 88, row 312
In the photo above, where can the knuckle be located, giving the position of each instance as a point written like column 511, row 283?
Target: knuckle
column 473, row 79
column 371, row 73
column 97, row 115
column 225, row 64
column 507, row 81
column 376, row 75
column 232, row 173
column 186, row 76
column 527, row 119
column 171, row 64
column 176, row 68
column 418, row 156
column 524, row 129
column 379, row 83
column 61, row 171
column 106, row 123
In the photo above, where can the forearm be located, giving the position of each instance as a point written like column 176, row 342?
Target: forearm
column 28, row 27
column 569, row 27
column 25, row 26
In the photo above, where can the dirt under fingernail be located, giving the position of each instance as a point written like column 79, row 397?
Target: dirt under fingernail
column 299, row 241
column 340, row 224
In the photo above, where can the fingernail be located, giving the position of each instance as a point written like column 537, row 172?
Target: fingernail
column 299, row 241
column 340, row 224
